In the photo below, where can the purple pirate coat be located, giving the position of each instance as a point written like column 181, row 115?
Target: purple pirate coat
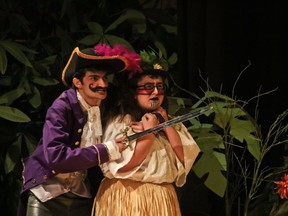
column 59, row 150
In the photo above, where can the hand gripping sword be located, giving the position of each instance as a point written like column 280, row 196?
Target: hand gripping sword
column 170, row 122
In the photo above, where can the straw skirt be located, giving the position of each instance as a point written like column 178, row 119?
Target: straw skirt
column 124, row 197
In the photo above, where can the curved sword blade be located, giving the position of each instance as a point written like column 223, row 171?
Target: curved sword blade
column 170, row 122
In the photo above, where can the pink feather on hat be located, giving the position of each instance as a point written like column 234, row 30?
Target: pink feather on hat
column 133, row 58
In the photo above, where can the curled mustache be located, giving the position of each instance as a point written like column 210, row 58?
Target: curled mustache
column 97, row 88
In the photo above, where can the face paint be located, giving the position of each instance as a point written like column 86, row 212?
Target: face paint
column 149, row 88
column 154, row 104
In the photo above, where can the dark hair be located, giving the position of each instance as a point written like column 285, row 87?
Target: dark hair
column 121, row 99
column 80, row 74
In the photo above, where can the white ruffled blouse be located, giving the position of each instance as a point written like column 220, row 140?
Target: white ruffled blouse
column 161, row 164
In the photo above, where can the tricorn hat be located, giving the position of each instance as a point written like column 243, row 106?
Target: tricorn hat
column 88, row 58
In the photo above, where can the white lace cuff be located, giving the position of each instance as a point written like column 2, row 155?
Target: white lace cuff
column 113, row 150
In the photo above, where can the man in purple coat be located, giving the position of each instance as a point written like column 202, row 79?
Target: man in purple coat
column 55, row 176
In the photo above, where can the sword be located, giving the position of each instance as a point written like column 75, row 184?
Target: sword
column 170, row 122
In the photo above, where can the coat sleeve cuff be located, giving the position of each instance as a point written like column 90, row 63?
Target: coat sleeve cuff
column 113, row 150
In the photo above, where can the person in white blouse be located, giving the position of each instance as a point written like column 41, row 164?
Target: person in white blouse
column 142, row 181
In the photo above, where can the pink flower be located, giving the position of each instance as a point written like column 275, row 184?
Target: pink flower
column 133, row 58
column 282, row 187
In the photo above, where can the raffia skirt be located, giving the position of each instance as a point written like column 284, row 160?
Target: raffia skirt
column 124, row 197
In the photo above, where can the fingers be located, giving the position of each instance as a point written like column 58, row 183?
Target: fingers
column 122, row 146
column 149, row 120
column 148, row 117
column 122, row 143
column 136, row 127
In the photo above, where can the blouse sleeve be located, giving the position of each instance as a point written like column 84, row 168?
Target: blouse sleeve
column 113, row 131
column 191, row 151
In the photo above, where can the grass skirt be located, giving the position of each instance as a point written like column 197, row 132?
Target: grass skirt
column 124, row 197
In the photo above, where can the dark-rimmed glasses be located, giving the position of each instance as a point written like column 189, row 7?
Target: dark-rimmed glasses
column 148, row 88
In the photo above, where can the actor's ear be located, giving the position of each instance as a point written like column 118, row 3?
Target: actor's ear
column 76, row 82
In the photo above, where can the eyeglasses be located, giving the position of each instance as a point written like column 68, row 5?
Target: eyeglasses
column 149, row 88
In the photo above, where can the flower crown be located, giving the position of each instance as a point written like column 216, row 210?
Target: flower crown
column 153, row 61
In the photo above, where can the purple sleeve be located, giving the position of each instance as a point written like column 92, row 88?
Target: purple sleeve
column 61, row 141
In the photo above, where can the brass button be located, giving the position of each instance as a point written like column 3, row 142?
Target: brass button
column 77, row 143
column 79, row 130
column 53, row 171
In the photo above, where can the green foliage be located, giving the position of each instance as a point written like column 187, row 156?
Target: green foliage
column 234, row 129
column 16, row 50
column 34, row 50
column 228, row 137
column 151, row 60
column 100, row 34
column 13, row 114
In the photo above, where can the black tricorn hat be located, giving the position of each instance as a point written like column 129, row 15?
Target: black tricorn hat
column 87, row 58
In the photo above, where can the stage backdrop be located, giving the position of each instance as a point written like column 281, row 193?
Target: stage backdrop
column 219, row 39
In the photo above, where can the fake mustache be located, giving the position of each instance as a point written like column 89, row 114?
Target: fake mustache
column 97, row 88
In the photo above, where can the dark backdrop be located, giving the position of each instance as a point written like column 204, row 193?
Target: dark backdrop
column 219, row 39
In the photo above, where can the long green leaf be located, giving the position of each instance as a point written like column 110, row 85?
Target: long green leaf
column 13, row 114
column 224, row 115
column 35, row 100
column 91, row 39
column 212, row 94
column 112, row 39
column 254, row 146
column 137, row 20
column 23, row 48
column 3, row 61
column 130, row 14
column 9, row 97
column 15, row 50
column 47, row 60
column 44, row 81
column 173, row 59
column 161, row 48
column 170, row 29
column 13, row 154
column 215, row 162
column 241, row 128
column 95, row 28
